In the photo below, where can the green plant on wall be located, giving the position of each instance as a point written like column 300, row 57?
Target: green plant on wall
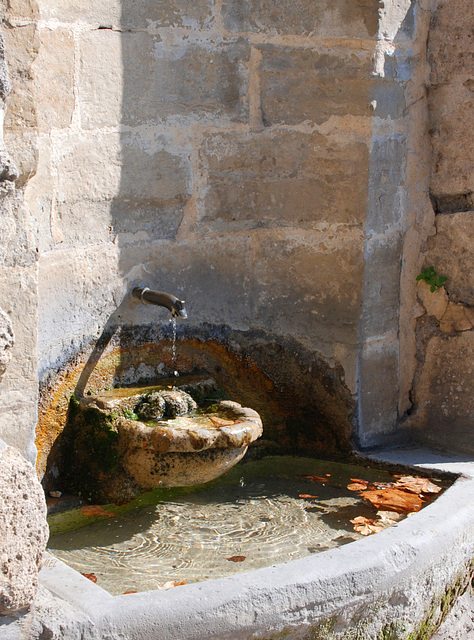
column 429, row 275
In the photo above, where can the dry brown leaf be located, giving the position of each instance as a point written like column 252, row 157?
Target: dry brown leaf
column 236, row 558
column 96, row 510
column 366, row 482
column 90, row 576
column 417, row 485
column 393, row 500
column 126, row 592
column 307, row 496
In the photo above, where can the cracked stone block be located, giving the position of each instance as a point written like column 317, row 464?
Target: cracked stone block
column 24, row 530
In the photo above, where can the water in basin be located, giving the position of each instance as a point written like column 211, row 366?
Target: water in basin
column 259, row 514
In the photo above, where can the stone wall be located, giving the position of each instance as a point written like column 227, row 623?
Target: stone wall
column 219, row 151
column 266, row 162
column 444, row 389
column 18, row 249
column 225, row 151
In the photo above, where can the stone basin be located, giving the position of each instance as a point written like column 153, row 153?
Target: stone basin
column 109, row 453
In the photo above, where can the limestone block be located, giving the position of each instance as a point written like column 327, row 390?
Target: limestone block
column 299, row 85
column 7, row 340
column 387, row 179
column 196, row 80
column 22, row 44
column 452, row 139
column 457, row 318
column 319, row 276
column 19, row 385
column 450, row 251
column 382, row 286
column 435, row 302
column 53, row 72
column 81, row 300
column 450, row 43
column 283, row 179
column 20, row 122
column 357, row 19
column 24, row 530
column 378, row 391
column 212, row 273
column 444, row 394
column 40, row 193
column 17, row 242
column 103, row 76
column 129, row 14
column 110, row 184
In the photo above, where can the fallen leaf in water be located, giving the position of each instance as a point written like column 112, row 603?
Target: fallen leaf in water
column 307, row 496
column 90, row 576
column 127, row 592
column 313, row 478
column 172, row 583
column 356, row 486
column 365, row 526
column 96, row 510
column 366, row 482
column 236, row 558
column 417, row 485
column 393, row 500
column 388, row 518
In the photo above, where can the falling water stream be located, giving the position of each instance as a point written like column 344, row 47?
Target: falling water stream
column 173, row 348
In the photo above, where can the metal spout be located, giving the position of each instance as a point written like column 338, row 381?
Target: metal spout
column 160, row 299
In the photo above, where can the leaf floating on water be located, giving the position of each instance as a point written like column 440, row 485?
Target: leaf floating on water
column 417, row 485
column 365, row 526
column 393, row 500
column 313, row 478
column 127, row 592
column 172, row 583
column 236, row 558
column 96, row 510
column 357, row 486
column 90, row 576
column 307, row 496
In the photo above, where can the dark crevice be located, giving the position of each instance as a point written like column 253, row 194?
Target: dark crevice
column 452, row 203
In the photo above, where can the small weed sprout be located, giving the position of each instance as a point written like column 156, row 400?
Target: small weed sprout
column 429, row 275
column 131, row 415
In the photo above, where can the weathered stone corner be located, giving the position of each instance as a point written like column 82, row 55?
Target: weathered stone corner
column 24, row 530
